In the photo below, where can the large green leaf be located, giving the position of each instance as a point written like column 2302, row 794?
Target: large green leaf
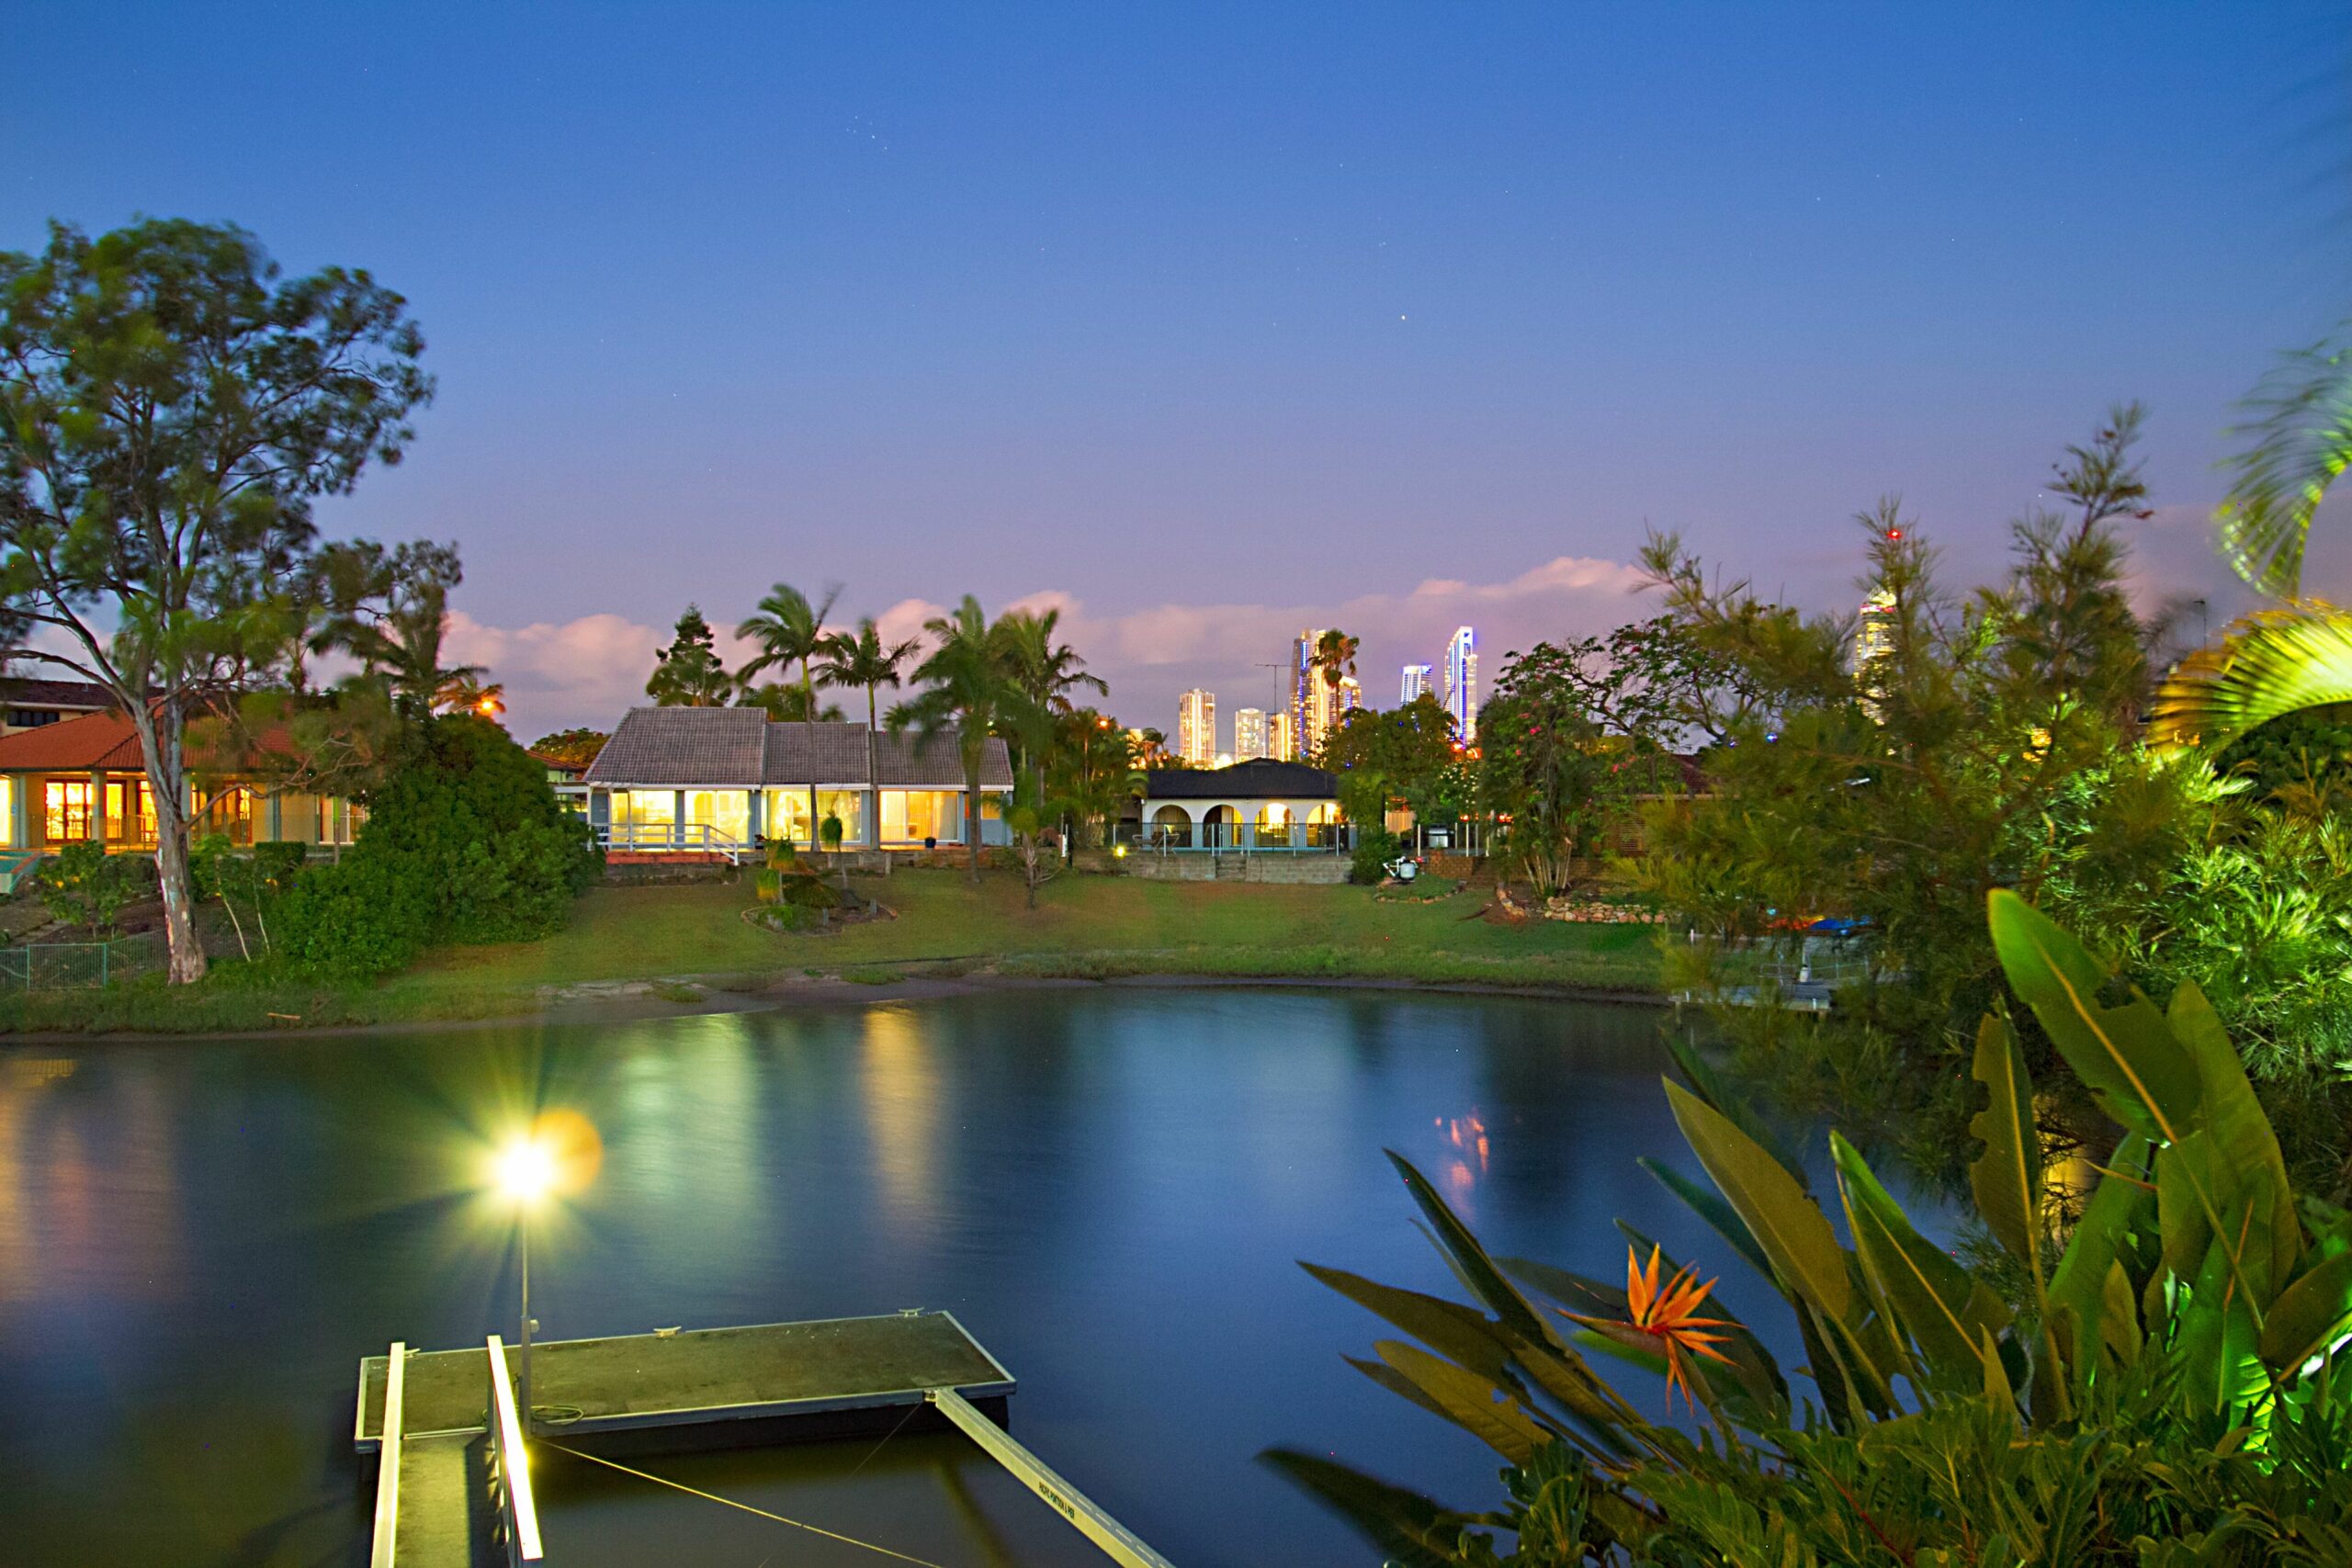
column 1710, row 1207
column 1462, row 1334
column 2127, row 1055
column 2309, row 1314
column 2078, row 1284
column 2244, row 1160
column 1474, row 1403
column 1945, row 1312
column 2119, row 1320
column 2007, row 1177
column 1409, row 1529
column 1789, row 1229
column 1478, row 1272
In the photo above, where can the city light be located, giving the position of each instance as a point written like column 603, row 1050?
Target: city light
column 524, row 1170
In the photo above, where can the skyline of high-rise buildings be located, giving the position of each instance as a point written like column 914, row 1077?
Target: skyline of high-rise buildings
column 1197, row 726
column 1416, row 682
column 1249, row 734
column 1462, row 682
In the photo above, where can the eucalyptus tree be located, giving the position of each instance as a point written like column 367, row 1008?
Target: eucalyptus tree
column 170, row 411
column 860, row 658
column 788, row 628
column 967, row 690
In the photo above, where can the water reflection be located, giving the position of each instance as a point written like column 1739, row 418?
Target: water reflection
column 1110, row 1187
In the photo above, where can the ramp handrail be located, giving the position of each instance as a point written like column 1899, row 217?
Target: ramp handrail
column 387, row 1475
column 510, row 1467
column 1118, row 1542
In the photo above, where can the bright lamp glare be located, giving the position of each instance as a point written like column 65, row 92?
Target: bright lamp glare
column 525, row 1170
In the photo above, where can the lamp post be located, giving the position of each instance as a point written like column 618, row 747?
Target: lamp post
column 526, row 1170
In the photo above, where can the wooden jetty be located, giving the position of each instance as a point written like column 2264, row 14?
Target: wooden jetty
column 453, row 1485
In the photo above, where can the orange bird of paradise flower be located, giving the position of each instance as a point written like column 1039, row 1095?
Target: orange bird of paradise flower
column 1668, row 1317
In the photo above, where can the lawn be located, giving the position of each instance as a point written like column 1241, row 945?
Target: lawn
column 1086, row 925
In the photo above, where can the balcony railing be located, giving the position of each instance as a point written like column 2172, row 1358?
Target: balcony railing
column 672, row 838
column 1244, row 837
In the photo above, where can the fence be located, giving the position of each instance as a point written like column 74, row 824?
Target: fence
column 79, row 966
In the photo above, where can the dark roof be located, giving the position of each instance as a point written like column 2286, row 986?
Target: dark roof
column 22, row 692
column 1260, row 778
column 801, row 752
column 741, row 748
column 684, row 746
column 904, row 761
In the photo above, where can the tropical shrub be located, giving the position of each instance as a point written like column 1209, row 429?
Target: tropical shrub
column 2156, row 1390
column 1375, row 848
column 465, row 843
column 84, row 885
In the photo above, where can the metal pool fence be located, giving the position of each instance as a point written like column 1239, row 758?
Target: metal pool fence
column 78, row 966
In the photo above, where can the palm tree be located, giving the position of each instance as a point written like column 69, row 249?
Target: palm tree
column 966, row 689
column 462, row 690
column 2273, row 662
column 863, row 659
column 2302, row 439
column 1045, row 674
column 784, row 627
column 1335, row 655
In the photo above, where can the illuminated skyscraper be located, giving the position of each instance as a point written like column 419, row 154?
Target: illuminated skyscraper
column 1417, row 681
column 1313, row 704
column 1873, row 641
column 1196, row 727
column 1282, row 738
column 1249, row 734
column 1461, row 684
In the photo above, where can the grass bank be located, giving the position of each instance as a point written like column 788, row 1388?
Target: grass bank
column 1093, row 927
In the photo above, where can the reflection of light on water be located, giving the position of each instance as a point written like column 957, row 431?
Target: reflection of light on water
column 1467, row 1135
column 901, row 1096
column 72, row 1221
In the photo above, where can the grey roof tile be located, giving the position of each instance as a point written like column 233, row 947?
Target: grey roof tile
column 908, row 761
column 802, row 753
column 684, row 746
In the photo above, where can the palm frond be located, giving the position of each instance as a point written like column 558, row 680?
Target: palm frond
column 2301, row 440
column 2272, row 663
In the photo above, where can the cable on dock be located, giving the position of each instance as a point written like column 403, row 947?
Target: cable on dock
column 729, row 1502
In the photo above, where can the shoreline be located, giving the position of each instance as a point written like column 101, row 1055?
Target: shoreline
column 634, row 1001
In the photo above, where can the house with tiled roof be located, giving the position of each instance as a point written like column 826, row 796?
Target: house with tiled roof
column 83, row 780
column 721, row 780
column 26, row 703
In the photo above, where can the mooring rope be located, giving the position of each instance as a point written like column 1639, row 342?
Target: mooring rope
column 715, row 1498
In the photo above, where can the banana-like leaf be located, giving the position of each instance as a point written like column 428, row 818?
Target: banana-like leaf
column 1710, row 1207
column 2119, row 1318
column 1945, row 1312
column 2309, row 1314
column 1575, row 1292
column 2301, row 440
column 1998, row 1389
column 2244, row 1159
column 1789, row 1228
column 2078, row 1284
column 1739, row 1107
column 2007, row 1177
column 2142, row 1076
column 1397, row 1383
column 1409, row 1529
column 1459, row 1333
column 1478, row 1406
column 2274, row 661
column 1469, row 1258
column 2216, row 1335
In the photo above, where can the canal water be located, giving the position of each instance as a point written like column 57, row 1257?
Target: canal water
column 1109, row 1187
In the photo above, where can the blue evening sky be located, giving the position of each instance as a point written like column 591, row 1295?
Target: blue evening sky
column 1215, row 319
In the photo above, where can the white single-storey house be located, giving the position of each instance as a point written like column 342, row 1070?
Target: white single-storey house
column 1257, row 805
column 721, row 780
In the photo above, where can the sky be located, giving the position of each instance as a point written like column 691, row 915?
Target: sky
column 1209, row 323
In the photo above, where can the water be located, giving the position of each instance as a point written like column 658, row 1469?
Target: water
column 1109, row 1187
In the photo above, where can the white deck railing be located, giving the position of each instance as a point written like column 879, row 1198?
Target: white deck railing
column 657, row 837
column 510, row 1469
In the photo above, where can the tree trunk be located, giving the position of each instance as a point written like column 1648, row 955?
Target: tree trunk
column 160, row 736
column 972, row 819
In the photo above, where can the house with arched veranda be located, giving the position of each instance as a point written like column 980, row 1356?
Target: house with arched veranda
column 1258, row 808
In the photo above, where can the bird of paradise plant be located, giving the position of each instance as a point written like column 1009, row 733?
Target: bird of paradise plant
column 1666, row 1318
